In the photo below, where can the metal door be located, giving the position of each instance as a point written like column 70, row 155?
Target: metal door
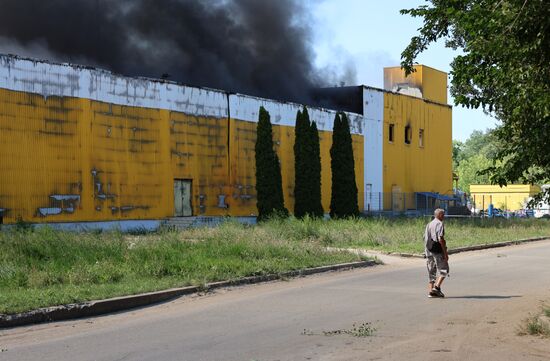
column 397, row 199
column 182, row 198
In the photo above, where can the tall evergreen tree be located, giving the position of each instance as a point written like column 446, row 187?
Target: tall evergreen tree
column 301, row 191
column 307, row 167
column 343, row 200
column 269, row 187
column 316, row 204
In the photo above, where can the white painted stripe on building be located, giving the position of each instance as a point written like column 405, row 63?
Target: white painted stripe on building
column 68, row 80
column 373, row 110
column 247, row 108
column 49, row 79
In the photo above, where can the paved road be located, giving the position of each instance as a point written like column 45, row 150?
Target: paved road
column 489, row 293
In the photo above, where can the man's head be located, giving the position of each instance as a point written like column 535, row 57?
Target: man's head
column 439, row 214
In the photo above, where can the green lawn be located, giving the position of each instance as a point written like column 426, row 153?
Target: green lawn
column 406, row 234
column 46, row 267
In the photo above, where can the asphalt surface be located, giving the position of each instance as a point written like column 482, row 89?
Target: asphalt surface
column 489, row 293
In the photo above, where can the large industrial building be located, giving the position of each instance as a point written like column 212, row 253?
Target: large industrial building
column 79, row 144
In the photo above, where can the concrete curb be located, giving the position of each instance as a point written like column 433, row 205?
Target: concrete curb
column 496, row 245
column 477, row 247
column 405, row 255
column 361, row 251
column 100, row 307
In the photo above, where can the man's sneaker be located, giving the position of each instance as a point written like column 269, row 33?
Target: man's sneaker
column 437, row 292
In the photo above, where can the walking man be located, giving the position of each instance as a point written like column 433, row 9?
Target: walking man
column 436, row 254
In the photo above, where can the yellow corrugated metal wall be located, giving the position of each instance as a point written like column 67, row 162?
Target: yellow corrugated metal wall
column 417, row 167
column 37, row 150
column 199, row 152
column 65, row 159
column 512, row 197
column 243, row 166
column 68, row 159
column 431, row 82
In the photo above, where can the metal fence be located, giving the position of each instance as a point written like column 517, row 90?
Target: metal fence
column 412, row 204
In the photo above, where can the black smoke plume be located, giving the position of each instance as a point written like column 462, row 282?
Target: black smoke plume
column 259, row 47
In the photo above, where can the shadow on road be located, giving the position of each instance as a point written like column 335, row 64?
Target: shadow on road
column 489, row 297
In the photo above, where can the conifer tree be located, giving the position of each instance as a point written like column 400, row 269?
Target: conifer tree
column 316, row 205
column 301, row 194
column 307, row 167
column 269, row 188
column 343, row 200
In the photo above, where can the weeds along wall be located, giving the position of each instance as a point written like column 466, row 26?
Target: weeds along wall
column 81, row 144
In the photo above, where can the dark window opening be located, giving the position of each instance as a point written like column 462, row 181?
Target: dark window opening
column 421, row 138
column 390, row 134
column 408, row 134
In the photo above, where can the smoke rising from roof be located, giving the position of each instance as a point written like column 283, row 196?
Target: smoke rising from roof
column 258, row 47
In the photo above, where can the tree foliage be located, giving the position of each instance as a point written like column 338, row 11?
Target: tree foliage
column 472, row 157
column 504, row 67
column 269, row 187
column 458, row 147
column 300, row 159
column 469, row 172
column 307, row 167
column 343, row 199
column 316, row 204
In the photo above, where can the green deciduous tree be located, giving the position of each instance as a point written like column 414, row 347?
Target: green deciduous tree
column 469, row 172
column 307, row 167
column 504, row 67
column 343, row 199
column 458, row 147
column 269, row 187
column 472, row 157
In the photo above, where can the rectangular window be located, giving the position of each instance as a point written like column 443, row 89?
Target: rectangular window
column 408, row 134
column 421, row 138
column 390, row 133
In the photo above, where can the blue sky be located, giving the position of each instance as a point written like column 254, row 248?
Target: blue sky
column 372, row 34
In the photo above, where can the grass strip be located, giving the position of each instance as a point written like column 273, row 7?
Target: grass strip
column 405, row 235
column 44, row 267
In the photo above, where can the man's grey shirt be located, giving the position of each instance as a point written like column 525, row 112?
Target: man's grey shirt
column 435, row 230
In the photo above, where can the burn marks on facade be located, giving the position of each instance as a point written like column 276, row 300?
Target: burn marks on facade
column 60, row 203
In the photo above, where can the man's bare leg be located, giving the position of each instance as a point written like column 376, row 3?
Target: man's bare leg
column 439, row 281
column 430, row 286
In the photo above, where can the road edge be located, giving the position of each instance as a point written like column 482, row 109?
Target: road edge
column 496, row 245
column 123, row 303
column 474, row 248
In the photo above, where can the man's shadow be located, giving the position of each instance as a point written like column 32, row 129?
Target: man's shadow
column 488, row 297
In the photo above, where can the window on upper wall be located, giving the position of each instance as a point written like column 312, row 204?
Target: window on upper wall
column 391, row 133
column 421, row 138
column 408, row 134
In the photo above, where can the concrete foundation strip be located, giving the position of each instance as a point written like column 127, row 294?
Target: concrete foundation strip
column 96, row 308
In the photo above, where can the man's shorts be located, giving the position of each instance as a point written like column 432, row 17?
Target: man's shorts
column 437, row 266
